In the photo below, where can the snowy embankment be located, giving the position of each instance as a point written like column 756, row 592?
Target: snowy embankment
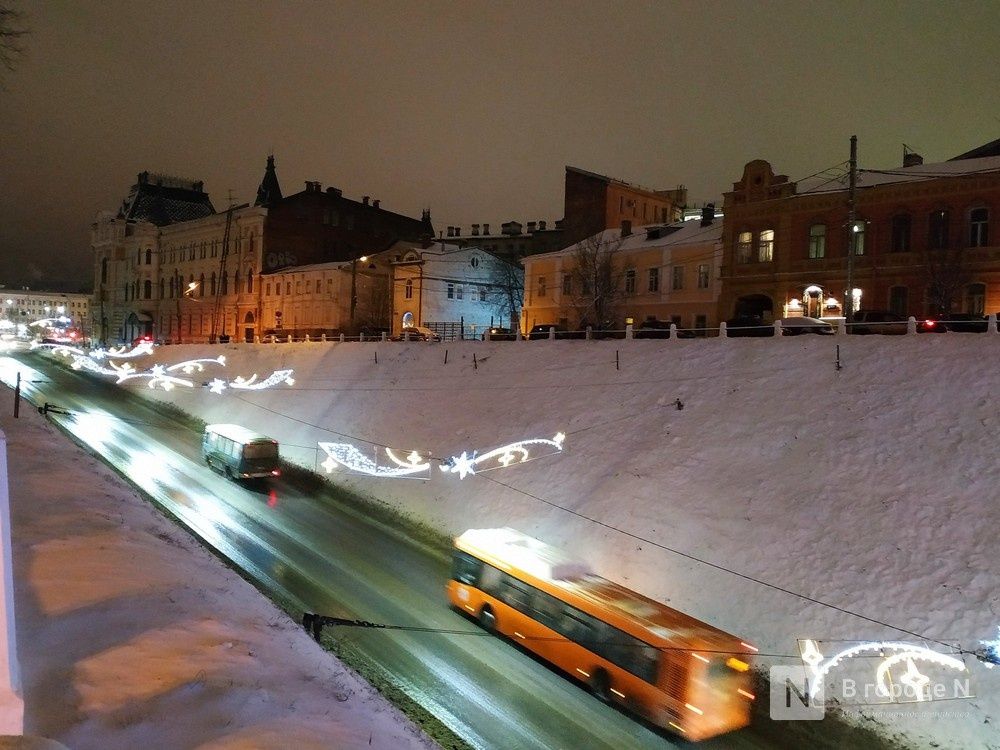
column 873, row 488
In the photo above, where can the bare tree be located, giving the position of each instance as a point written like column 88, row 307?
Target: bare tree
column 12, row 33
column 596, row 280
column 946, row 276
column 505, row 293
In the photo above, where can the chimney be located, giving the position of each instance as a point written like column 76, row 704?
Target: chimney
column 531, row 226
column 912, row 159
column 451, row 231
column 309, row 186
column 376, row 202
column 364, row 199
column 475, row 230
column 541, row 226
column 626, row 228
column 337, row 192
column 486, row 229
column 708, row 214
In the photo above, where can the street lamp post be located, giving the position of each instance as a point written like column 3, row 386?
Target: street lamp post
column 186, row 294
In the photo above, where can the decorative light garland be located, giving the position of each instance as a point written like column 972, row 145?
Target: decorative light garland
column 61, row 349
column 500, row 458
column 139, row 350
column 908, row 652
column 348, row 456
column 251, row 384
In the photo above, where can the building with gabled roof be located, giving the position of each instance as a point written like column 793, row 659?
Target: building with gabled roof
column 161, row 200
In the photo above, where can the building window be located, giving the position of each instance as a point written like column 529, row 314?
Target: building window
column 700, row 324
column 975, row 299
column 979, row 227
column 298, row 287
column 630, row 281
column 900, row 233
column 408, row 293
column 744, row 247
column 459, row 292
column 765, row 246
column 451, row 290
column 212, row 281
column 654, row 279
column 817, row 241
column 703, row 276
column 191, row 252
column 937, row 234
column 104, row 270
column 201, row 286
column 482, row 293
column 250, row 282
column 225, row 282
column 202, row 253
column 899, row 300
column 678, row 278
column 541, row 286
column 147, row 289
column 149, row 257
column 329, row 286
column 267, row 289
column 858, row 238
column 567, row 284
column 288, row 287
column 161, row 291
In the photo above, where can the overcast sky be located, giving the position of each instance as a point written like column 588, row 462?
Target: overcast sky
column 472, row 109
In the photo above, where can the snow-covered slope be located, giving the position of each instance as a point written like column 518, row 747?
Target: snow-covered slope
column 873, row 488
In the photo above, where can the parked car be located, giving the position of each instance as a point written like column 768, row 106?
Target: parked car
column 931, row 325
column 802, row 324
column 542, row 331
column 748, row 325
column 966, row 322
column 496, row 333
column 659, row 329
column 883, row 322
column 416, row 333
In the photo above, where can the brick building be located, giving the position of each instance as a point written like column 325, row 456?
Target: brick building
column 925, row 240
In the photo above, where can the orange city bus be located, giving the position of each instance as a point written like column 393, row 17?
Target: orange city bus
column 675, row 671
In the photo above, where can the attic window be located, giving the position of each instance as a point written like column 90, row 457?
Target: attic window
column 474, row 262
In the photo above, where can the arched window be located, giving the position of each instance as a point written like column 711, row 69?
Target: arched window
column 817, row 241
column 138, row 256
column 858, row 237
column 937, row 234
column 213, row 284
column 201, row 286
column 202, row 254
column 249, row 281
column 251, row 241
column 161, row 289
column 104, row 270
column 147, row 289
column 171, row 286
column 149, row 257
column 236, row 282
column 225, row 282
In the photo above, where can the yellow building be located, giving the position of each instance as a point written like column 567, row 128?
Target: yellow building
column 620, row 276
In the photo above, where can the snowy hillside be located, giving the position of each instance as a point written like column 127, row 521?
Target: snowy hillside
column 873, row 488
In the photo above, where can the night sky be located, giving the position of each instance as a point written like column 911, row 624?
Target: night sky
column 471, row 109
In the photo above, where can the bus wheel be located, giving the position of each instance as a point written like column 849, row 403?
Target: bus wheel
column 600, row 686
column 487, row 619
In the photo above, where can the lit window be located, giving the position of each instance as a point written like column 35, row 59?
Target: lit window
column 765, row 246
column 703, row 276
column 817, row 241
column 858, row 238
column 744, row 247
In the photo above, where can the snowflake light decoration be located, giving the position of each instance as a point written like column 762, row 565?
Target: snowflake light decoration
column 499, row 458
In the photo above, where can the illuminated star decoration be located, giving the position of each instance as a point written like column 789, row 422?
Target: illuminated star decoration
column 141, row 349
column 502, row 457
column 85, row 363
column 902, row 652
column 61, row 349
column 352, row 459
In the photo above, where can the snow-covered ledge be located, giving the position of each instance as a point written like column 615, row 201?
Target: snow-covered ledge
column 11, row 703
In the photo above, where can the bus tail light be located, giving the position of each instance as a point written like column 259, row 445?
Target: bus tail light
column 745, row 694
column 276, row 473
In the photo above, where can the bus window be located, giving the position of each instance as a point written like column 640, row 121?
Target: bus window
column 546, row 608
column 466, row 569
column 490, row 580
column 515, row 593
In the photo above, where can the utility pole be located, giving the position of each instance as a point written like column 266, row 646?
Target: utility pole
column 354, row 287
column 217, row 306
column 851, row 230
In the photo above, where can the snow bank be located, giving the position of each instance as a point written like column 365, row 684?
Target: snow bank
column 873, row 488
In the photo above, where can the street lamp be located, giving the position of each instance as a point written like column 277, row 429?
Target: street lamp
column 354, row 286
column 186, row 294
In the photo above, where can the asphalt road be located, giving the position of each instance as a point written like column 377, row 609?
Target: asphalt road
column 335, row 561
